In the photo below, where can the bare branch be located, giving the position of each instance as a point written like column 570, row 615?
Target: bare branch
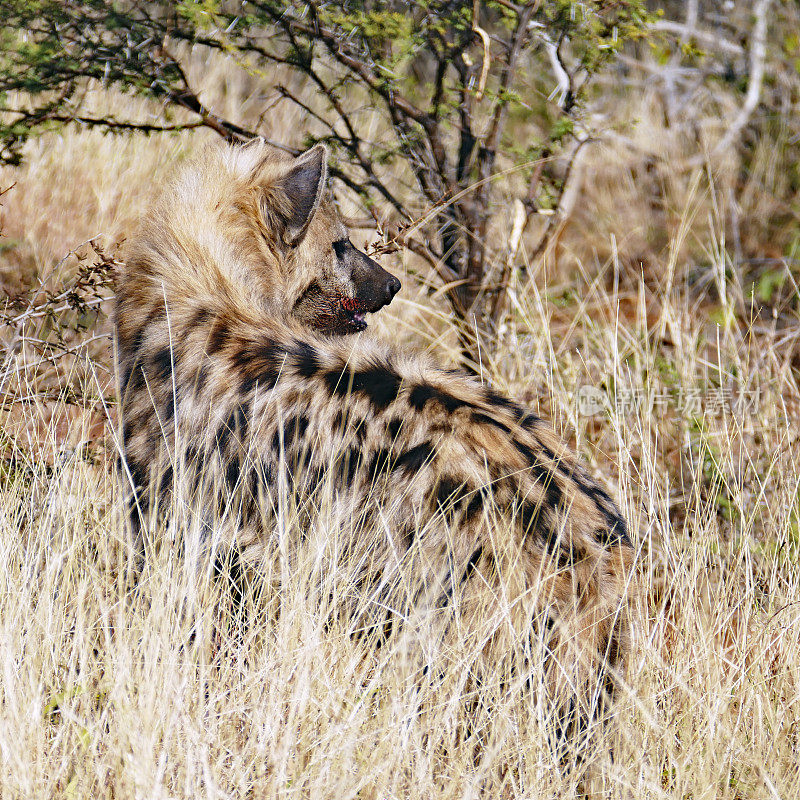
column 111, row 123
column 561, row 74
column 758, row 53
column 573, row 165
column 708, row 39
column 487, row 54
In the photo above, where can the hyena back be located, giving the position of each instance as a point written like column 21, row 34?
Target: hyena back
column 235, row 376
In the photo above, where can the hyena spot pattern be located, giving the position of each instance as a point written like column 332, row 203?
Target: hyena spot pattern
column 258, row 367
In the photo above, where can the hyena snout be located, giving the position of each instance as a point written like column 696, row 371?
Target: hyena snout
column 392, row 288
column 379, row 292
column 375, row 287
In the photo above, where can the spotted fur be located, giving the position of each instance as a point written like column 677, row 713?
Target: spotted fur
column 232, row 378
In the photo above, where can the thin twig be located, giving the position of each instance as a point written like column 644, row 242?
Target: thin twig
column 111, row 123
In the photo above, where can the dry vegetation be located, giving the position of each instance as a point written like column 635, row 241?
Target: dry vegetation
column 158, row 692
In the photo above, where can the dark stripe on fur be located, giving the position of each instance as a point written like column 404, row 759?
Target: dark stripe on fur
column 261, row 364
column 200, row 316
column 223, row 434
column 529, row 421
column 232, row 472
column 380, row 464
column 497, row 399
column 535, row 519
column 414, row 459
column 241, row 416
column 201, row 378
column 162, row 363
column 542, row 474
column 137, row 342
column 260, row 478
column 379, row 384
column 306, row 359
column 480, row 418
column 219, row 335
column 617, row 532
column 423, row 393
column 294, row 428
column 475, row 505
column 346, row 466
column 393, row 427
column 165, row 484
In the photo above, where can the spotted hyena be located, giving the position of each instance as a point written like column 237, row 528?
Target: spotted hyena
column 237, row 378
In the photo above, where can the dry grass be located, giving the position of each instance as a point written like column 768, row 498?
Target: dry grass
column 158, row 691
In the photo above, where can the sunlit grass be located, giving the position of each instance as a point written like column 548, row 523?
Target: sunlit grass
column 158, row 688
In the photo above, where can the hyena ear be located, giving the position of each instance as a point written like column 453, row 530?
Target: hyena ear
column 298, row 192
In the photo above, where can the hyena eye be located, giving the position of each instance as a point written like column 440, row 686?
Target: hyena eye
column 340, row 246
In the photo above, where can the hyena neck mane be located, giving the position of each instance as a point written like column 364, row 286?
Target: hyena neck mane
column 253, row 229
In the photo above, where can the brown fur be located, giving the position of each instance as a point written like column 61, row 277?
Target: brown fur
column 484, row 508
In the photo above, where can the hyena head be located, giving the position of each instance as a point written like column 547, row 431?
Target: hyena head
column 272, row 229
column 335, row 284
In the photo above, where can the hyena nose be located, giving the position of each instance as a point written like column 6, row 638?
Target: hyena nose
column 391, row 289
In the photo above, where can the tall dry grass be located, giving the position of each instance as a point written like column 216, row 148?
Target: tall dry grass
column 157, row 690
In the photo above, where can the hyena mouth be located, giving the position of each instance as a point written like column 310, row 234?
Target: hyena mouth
column 354, row 314
column 330, row 312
